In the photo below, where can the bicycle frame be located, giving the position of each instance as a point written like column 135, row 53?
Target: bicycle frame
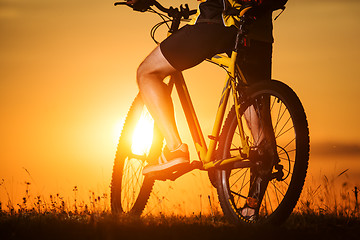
column 206, row 155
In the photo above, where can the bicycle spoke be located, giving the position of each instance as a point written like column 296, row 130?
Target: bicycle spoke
column 276, row 193
column 282, row 133
column 289, row 172
column 241, row 177
column 239, row 170
column 284, row 181
column 132, row 182
column 279, row 116
column 282, row 151
column 238, row 194
column 233, row 174
column 125, row 186
column 289, row 143
column 127, row 183
column 269, row 203
column 273, row 104
column 286, row 159
column 276, row 188
column 243, row 184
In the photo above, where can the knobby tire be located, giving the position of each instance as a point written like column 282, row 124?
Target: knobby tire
column 292, row 139
column 130, row 190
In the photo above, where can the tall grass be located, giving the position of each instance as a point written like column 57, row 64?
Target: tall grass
column 326, row 210
column 54, row 203
column 330, row 195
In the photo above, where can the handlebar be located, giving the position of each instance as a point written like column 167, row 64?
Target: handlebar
column 173, row 13
column 184, row 12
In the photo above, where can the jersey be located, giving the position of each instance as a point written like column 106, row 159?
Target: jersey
column 215, row 11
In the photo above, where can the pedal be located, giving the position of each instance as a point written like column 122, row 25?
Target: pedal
column 172, row 175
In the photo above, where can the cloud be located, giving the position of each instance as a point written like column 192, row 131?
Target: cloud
column 9, row 9
column 335, row 149
column 8, row 13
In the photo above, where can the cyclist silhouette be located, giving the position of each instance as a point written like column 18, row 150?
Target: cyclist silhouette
column 212, row 31
column 258, row 156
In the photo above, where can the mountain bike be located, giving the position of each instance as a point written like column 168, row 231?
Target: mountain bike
column 257, row 157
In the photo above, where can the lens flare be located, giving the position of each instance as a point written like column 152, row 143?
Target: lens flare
column 143, row 134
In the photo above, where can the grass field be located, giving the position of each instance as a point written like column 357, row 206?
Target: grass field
column 55, row 220
column 106, row 226
column 328, row 209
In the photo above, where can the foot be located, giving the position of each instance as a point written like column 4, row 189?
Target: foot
column 249, row 211
column 169, row 161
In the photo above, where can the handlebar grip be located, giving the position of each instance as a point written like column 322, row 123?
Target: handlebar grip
column 120, row 3
column 140, row 6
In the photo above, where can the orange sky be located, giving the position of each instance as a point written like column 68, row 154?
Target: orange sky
column 67, row 73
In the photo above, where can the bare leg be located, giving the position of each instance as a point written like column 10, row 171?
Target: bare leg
column 254, row 125
column 156, row 96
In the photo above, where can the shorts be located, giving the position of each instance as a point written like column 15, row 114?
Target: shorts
column 192, row 44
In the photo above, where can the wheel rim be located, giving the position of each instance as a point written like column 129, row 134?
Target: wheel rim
column 238, row 180
column 132, row 182
column 138, row 151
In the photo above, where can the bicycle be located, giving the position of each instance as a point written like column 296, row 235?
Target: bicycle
column 234, row 159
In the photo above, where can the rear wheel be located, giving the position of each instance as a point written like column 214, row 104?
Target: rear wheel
column 139, row 143
column 286, row 175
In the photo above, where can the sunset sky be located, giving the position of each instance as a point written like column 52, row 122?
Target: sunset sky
column 67, row 78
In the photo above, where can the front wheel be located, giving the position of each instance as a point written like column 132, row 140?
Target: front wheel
column 139, row 143
column 285, row 176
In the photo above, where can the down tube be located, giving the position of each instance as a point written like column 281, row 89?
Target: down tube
column 218, row 121
column 190, row 115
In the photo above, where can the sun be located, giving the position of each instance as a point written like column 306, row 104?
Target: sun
column 143, row 134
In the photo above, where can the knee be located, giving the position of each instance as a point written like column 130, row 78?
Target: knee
column 148, row 73
column 153, row 69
